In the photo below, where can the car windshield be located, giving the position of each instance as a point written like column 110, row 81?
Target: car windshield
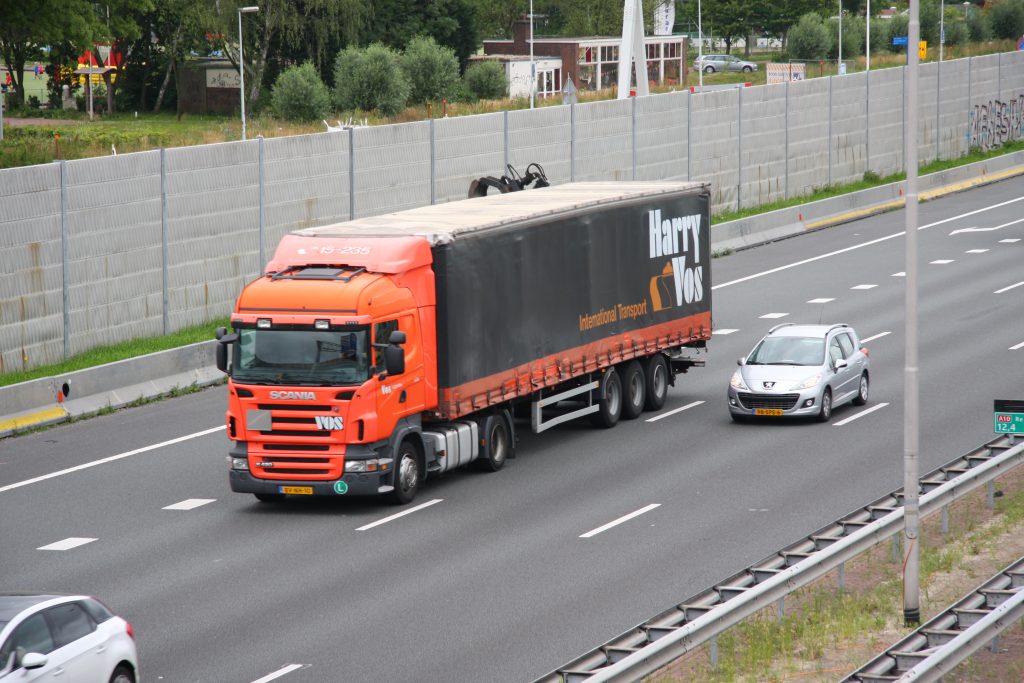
column 788, row 351
column 301, row 357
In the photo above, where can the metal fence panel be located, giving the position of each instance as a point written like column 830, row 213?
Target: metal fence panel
column 954, row 105
column 31, row 298
column 850, row 126
column 808, row 135
column 886, row 121
column 715, row 145
column 604, row 140
column 466, row 148
column 661, row 136
column 542, row 136
column 392, row 167
column 927, row 134
column 116, row 266
column 763, row 145
column 213, row 221
column 985, row 92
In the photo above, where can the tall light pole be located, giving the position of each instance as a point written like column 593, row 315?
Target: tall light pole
column 700, row 46
column 911, row 406
column 867, row 42
column 241, row 60
column 533, row 67
column 942, row 27
column 839, row 64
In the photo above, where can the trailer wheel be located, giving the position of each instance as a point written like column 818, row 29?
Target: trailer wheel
column 407, row 473
column 635, row 388
column 610, row 407
column 497, row 443
column 656, row 374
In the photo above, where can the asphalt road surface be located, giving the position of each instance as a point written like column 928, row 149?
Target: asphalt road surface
column 505, row 576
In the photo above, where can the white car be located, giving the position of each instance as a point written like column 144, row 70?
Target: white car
column 71, row 638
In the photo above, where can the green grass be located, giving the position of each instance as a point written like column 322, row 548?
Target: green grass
column 115, row 352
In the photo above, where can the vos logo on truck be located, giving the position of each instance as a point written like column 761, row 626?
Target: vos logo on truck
column 294, row 395
column 330, row 423
column 677, row 239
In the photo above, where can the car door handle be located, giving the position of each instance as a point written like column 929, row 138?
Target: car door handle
column 58, row 671
column 101, row 648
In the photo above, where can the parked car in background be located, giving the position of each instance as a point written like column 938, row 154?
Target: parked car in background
column 72, row 636
column 800, row 370
column 710, row 64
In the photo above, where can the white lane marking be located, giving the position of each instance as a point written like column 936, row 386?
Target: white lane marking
column 1016, row 346
column 673, row 412
column 863, row 287
column 112, row 458
column 773, row 316
column 820, row 301
column 873, row 338
column 976, row 251
column 403, row 513
column 67, row 543
column 998, row 227
column 860, row 415
column 899, row 274
column 862, row 244
column 287, row 669
column 620, row 520
column 1007, row 289
column 941, row 261
column 723, row 331
column 190, row 504
column 1010, row 240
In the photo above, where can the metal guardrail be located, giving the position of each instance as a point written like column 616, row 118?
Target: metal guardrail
column 657, row 642
column 936, row 648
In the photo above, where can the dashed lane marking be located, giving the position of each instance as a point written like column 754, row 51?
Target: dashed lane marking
column 976, row 251
column 773, row 316
column 1017, row 346
column 620, row 520
column 863, row 287
column 287, row 669
column 673, row 412
column 403, row 513
column 190, row 504
column 67, row 543
column 874, row 337
column 859, row 415
column 941, row 261
column 723, row 331
column 1007, row 289
column 823, row 300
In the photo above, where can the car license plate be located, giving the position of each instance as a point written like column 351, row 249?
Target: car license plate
column 296, row 490
column 776, row 412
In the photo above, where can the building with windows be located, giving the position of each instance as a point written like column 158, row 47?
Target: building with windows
column 592, row 63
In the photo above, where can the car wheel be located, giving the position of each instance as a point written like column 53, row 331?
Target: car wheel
column 862, row 394
column 497, row 443
column 407, row 473
column 747, row 69
column 826, row 406
column 610, row 407
column 709, row 69
column 122, row 674
column 269, row 497
column 656, row 375
column 635, row 386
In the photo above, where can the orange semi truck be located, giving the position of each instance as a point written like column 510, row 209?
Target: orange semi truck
column 376, row 352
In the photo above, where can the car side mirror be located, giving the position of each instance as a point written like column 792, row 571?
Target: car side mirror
column 33, row 660
column 741, row 361
column 841, row 363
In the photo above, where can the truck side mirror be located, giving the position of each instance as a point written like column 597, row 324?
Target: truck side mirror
column 223, row 340
column 394, row 358
column 396, row 337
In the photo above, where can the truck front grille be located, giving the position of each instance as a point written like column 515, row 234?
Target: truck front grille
column 277, row 465
column 783, row 401
column 304, row 407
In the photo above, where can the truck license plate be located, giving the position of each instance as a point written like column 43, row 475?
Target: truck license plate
column 776, row 412
column 296, row 490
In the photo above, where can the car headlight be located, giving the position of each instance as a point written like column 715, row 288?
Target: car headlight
column 737, row 382
column 808, row 383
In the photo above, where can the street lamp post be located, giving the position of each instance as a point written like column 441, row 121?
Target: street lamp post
column 700, row 47
column 839, row 65
column 533, row 67
column 241, row 60
column 867, row 41
column 942, row 27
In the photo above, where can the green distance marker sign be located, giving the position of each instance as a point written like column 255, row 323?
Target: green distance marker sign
column 1008, row 416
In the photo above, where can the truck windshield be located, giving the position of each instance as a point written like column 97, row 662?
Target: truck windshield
column 304, row 357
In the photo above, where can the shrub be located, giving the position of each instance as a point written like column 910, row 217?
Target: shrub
column 809, row 38
column 486, row 80
column 956, row 30
column 979, row 27
column 370, row 79
column 1007, row 19
column 853, row 37
column 299, row 95
column 432, row 69
column 898, row 26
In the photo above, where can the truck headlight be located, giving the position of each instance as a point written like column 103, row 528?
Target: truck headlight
column 737, row 382
column 808, row 383
column 371, row 465
column 238, row 463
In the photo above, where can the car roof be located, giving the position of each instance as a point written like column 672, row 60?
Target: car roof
column 12, row 604
column 800, row 330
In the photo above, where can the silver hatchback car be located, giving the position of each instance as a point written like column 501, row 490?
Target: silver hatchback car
column 710, row 64
column 800, row 370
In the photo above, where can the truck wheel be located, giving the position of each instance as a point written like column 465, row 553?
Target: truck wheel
column 635, row 388
column 610, row 407
column 269, row 497
column 497, row 443
column 656, row 374
column 407, row 473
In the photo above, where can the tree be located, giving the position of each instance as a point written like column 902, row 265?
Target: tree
column 853, row 37
column 300, row 95
column 1007, row 19
column 450, row 22
column 370, row 79
column 486, row 80
column 119, row 26
column 978, row 25
column 432, row 69
column 810, row 38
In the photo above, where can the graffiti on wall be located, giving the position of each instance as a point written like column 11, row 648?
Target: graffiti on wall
column 995, row 122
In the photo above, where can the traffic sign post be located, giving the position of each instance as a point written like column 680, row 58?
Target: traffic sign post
column 1020, row 43
column 1008, row 417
